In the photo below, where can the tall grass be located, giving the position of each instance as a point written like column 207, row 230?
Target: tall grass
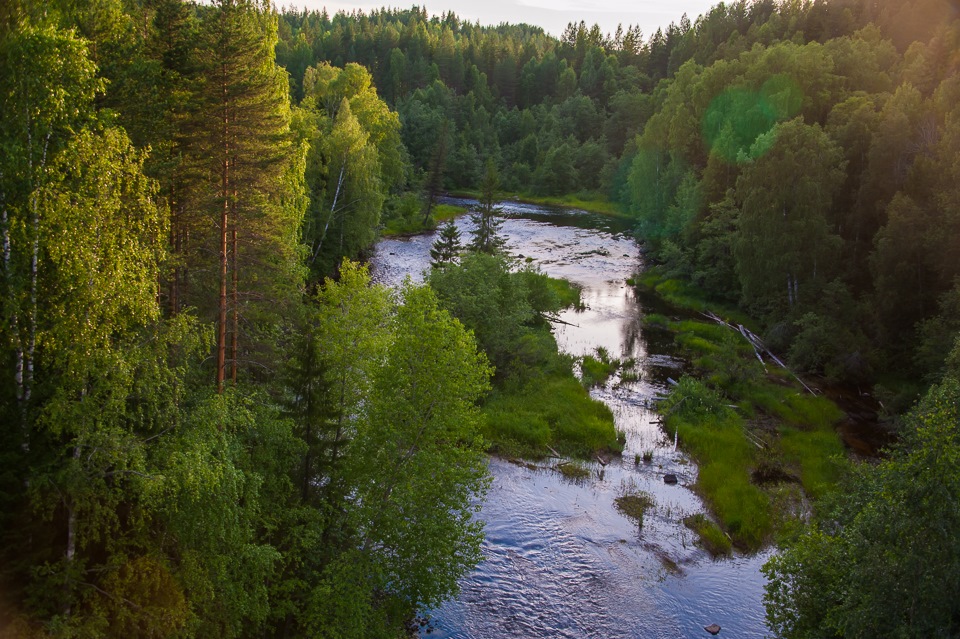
column 726, row 457
column 819, row 456
column 712, row 538
column 553, row 411
column 595, row 371
column 713, row 415
column 411, row 222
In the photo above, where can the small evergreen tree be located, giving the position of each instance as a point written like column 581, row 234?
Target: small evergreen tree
column 446, row 249
column 486, row 235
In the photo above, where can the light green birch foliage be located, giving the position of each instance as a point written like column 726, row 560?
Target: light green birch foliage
column 422, row 461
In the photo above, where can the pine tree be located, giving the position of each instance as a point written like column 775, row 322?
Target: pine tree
column 250, row 151
column 446, row 249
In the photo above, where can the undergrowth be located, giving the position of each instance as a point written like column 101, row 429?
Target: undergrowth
column 749, row 424
column 406, row 217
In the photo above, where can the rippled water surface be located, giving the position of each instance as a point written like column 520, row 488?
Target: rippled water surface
column 560, row 560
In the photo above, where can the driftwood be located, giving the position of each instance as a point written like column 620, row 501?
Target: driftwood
column 759, row 348
column 557, row 320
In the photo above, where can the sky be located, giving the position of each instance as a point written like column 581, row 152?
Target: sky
column 552, row 15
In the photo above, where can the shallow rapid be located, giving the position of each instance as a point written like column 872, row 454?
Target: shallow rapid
column 560, row 559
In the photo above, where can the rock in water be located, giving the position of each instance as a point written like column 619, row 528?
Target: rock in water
column 669, row 478
column 712, row 628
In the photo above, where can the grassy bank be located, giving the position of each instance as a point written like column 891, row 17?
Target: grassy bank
column 552, row 411
column 762, row 441
column 413, row 224
column 594, row 203
column 537, row 403
column 540, row 404
column 686, row 296
column 585, row 202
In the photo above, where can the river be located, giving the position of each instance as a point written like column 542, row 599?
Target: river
column 560, row 559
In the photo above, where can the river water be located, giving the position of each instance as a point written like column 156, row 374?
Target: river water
column 560, row 559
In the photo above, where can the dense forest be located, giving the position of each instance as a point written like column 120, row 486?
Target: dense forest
column 213, row 425
column 840, row 115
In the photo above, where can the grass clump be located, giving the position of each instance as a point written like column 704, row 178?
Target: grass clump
column 572, row 470
column 634, row 505
column 726, row 457
column 711, row 537
column 553, row 411
column 595, row 371
column 687, row 296
column 591, row 202
column 657, row 320
column 819, row 456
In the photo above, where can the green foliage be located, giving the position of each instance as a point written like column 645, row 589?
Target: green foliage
column 819, row 455
column 784, row 234
column 485, row 234
column 873, row 563
column 160, row 201
column 386, row 403
column 356, row 159
column 573, row 470
column 714, row 416
column 446, row 248
column 725, row 457
column 482, row 293
column 553, row 410
column 537, row 402
column 594, row 371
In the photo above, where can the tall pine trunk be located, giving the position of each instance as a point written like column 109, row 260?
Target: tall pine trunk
column 224, row 219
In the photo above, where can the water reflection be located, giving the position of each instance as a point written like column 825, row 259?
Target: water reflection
column 560, row 560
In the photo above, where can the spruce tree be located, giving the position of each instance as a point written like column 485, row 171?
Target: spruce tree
column 486, row 235
column 446, row 249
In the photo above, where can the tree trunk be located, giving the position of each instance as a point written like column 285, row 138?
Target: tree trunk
column 333, row 211
column 235, row 299
column 222, row 316
column 173, row 287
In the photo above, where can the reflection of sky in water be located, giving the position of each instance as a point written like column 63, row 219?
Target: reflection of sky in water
column 561, row 561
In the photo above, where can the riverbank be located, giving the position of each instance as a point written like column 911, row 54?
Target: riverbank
column 537, row 405
column 413, row 224
column 765, row 440
column 559, row 539
column 591, row 203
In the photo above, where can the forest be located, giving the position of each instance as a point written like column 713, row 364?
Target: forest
column 213, row 424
